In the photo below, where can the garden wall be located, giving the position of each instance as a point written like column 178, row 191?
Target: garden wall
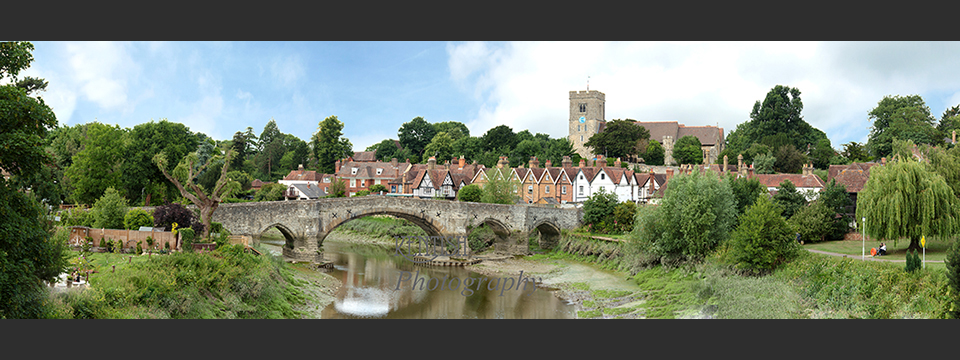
column 128, row 237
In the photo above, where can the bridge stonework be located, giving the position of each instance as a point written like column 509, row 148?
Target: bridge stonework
column 305, row 223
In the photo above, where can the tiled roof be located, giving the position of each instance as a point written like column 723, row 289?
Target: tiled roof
column 659, row 129
column 303, row 175
column 708, row 135
column 799, row 180
column 852, row 176
column 312, row 192
column 365, row 156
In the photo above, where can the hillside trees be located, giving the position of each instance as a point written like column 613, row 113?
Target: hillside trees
column 903, row 118
column 415, row 135
column 99, row 165
column 329, row 145
column 145, row 141
column 688, row 150
column 620, row 139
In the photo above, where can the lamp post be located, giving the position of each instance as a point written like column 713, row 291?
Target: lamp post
column 863, row 250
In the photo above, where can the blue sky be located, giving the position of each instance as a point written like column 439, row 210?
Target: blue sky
column 219, row 88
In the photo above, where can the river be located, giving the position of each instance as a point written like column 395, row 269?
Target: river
column 376, row 284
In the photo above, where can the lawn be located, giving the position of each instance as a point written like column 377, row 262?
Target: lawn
column 936, row 250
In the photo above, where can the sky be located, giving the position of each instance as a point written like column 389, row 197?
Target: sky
column 219, row 88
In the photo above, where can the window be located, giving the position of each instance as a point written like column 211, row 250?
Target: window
column 376, row 181
column 578, row 127
column 581, row 189
column 379, row 171
column 393, row 188
column 326, row 180
column 581, row 177
column 548, row 189
column 354, row 171
column 563, row 190
column 530, row 189
column 603, row 176
column 583, row 107
column 353, row 182
column 581, row 138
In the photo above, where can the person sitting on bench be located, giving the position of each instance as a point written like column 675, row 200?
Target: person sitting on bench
column 882, row 250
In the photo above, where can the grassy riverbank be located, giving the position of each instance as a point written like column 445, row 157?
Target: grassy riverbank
column 224, row 284
column 813, row 286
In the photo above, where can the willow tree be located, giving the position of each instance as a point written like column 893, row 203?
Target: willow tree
column 186, row 173
column 904, row 199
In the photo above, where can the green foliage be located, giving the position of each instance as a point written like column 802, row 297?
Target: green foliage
column 775, row 122
column 654, row 153
column 377, row 188
column 821, row 154
column 76, row 217
column 481, row 238
column 687, row 150
column 329, row 145
column 139, row 247
column 913, row 261
column 620, row 139
column 953, row 278
column 764, row 163
column 814, row 222
column 499, row 189
column 382, row 227
column 855, row 152
column 98, row 165
column 361, row 193
column 900, row 117
column 337, row 188
column 745, row 191
column 500, row 138
column 227, row 283
column 623, row 216
column 440, row 147
column 471, row 193
column 696, row 214
column 598, row 211
column 135, row 218
column 903, row 199
column 835, row 197
column 789, row 199
column 270, row 192
column 187, row 237
column 144, row 141
column 109, row 210
column 763, row 240
column 415, row 135
column 789, row 160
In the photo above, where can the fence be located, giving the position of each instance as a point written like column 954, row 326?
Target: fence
column 129, row 237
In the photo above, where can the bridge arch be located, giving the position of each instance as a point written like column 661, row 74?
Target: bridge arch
column 289, row 236
column 549, row 234
column 428, row 224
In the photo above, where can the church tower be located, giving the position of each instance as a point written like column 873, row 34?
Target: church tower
column 586, row 117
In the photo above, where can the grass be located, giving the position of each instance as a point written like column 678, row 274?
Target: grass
column 936, row 251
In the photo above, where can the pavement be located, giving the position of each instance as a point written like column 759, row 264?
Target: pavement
column 868, row 257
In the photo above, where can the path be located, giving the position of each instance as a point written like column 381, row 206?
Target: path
column 872, row 258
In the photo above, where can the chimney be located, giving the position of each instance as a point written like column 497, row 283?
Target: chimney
column 548, row 164
column 432, row 163
column 617, row 163
column 583, row 163
column 337, row 166
column 807, row 169
column 669, row 174
column 393, row 162
column 534, row 162
column 750, row 172
column 651, row 181
column 462, row 161
column 741, row 168
column 724, row 164
column 883, row 161
column 300, row 168
column 446, row 165
column 566, row 162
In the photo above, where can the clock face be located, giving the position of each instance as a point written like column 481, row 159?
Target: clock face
column 582, row 119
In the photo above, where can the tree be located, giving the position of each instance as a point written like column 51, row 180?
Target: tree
column 775, row 122
column 499, row 189
column 903, row 199
column 500, row 138
column 619, row 139
column 145, row 141
column 468, row 146
column 270, row 192
column 687, row 150
column 814, row 222
column 949, row 121
column 415, row 135
column 378, row 188
column 696, row 214
column 598, row 211
column 789, row 160
column 166, row 215
column 329, row 145
column 337, row 188
column 855, row 152
column 440, row 147
column 822, row 153
column 764, row 163
column 386, row 150
column 207, row 203
column 835, row 198
column 109, row 210
column 623, row 216
column 789, row 199
column 457, row 130
column 136, row 218
column 99, row 165
column 29, row 254
column 654, row 154
column 900, row 117
column 763, row 240
column 953, row 278
column 745, row 191
column 471, row 193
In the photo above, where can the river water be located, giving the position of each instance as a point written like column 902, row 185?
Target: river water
column 377, row 285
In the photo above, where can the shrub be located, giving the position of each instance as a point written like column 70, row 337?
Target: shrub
column 361, row 193
column 109, row 210
column 76, row 217
column 763, row 241
column 953, row 278
column 913, row 261
column 165, row 216
column 623, row 216
column 187, row 236
column 139, row 247
column 598, row 209
column 135, row 218
column 814, row 222
column 150, row 241
column 270, row 192
column 377, row 188
column 471, row 193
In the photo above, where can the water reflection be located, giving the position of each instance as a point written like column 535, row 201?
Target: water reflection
column 377, row 285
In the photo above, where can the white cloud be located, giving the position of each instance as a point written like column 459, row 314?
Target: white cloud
column 288, row 70
column 103, row 71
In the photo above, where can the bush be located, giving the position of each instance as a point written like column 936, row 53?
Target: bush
column 76, row 217
column 598, row 211
column 165, row 216
column 377, row 188
column 187, row 236
column 913, row 261
column 623, row 216
column 139, row 247
column 109, row 210
column 471, row 193
column 814, row 222
column 361, row 193
column 135, row 218
column 763, row 241
column 270, row 192
column 953, row 278
column 697, row 213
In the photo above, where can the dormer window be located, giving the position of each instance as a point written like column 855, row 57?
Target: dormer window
column 379, row 171
column 326, row 180
column 353, row 171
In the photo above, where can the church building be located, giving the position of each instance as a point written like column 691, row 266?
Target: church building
column 587, row 119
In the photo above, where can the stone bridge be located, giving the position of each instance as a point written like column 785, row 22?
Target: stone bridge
column 305, row 223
